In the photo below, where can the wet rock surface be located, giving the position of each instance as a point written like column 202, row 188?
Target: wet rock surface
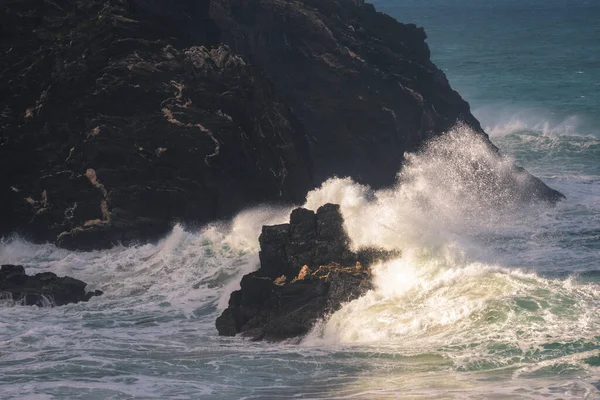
column 307, row 272
column 44, row 289
column 119, row 118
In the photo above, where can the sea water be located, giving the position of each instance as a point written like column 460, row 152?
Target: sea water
column 490, row 298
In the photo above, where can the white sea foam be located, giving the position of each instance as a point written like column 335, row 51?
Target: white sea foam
column 448, row 289
column 458, row 297
column 185, row 270
column 500, row 120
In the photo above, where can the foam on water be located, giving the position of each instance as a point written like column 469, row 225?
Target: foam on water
column 185, row 268
column 477, row 315
column 485, row 284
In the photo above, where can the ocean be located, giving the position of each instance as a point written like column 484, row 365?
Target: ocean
column 489, row 300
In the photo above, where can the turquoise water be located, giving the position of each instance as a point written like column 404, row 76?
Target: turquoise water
column 490, row 299
column 531, row 73
column 535, row 56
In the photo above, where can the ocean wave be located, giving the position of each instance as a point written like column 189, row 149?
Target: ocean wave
column 465, row 288
column 498, row 121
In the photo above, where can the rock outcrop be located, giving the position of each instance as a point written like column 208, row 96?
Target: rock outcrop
column 307, row 272
column 44, row 289
column 121, row 117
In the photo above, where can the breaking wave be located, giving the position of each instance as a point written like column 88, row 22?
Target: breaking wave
column 484, row 282
column 461, row 288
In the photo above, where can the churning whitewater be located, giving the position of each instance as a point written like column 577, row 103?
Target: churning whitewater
column 484, row 285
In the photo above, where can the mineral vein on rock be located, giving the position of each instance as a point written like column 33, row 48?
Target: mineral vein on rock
column 192, row 110
column 44, row 289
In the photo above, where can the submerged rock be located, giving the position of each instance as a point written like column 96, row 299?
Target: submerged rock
column 43, row 289
column 119, row 118
column 307, row 272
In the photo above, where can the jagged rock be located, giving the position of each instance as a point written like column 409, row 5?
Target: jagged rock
column 43, row 289
column 307, row 272
column 119, row 118
column 309, row 239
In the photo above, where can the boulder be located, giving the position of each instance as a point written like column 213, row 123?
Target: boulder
column 307, row 272
column 119, row 119
column 42, row 289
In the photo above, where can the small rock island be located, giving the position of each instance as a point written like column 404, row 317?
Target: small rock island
column 44, row 289
column 307, row 272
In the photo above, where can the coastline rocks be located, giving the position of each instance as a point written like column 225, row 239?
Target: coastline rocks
column 43, row 289
column 307, row 272
column 120, row 118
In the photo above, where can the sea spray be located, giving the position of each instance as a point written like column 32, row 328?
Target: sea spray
column 499, row 120
column 462, row 297
column 455, row 187
column 477, row 315
column 186, row 270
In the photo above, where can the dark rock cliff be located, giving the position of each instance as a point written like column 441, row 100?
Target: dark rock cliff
column 120, row 117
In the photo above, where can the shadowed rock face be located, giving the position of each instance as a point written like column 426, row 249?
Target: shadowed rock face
column 119, row 118
column 360, row 82
column 307, row 272
column 43, row 289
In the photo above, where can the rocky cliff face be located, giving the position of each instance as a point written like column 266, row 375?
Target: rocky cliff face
column 120, row 117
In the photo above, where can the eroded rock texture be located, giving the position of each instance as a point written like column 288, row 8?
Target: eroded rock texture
column 44, row 289
column 307, row 272
column 120, row 117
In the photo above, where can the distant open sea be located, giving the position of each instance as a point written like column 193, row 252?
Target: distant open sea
column 486, row 301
